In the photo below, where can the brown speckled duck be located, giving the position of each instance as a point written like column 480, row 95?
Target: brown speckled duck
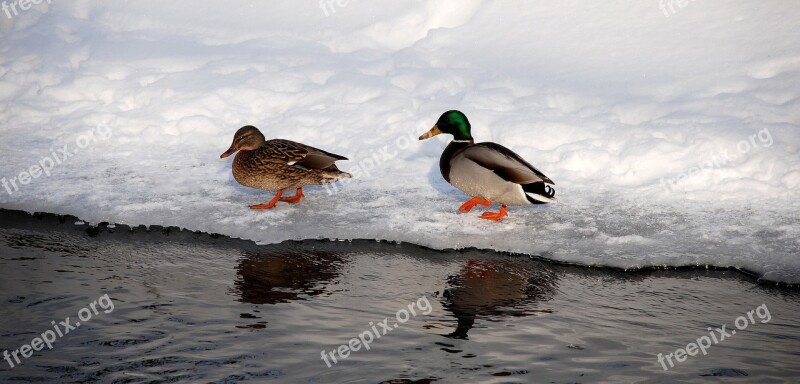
column 277, row 165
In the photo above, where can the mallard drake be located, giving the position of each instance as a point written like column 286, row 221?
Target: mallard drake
column 277, row 165
column 487, row 172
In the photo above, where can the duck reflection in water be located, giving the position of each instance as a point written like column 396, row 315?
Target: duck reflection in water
column 498, row 288
column 285, row 275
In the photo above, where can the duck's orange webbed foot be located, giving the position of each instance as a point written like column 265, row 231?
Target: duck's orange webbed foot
column 495, row 216
column 271, row 203
column 294, row 199
column 466, row 207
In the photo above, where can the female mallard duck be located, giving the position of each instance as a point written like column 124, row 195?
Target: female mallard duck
column 277, row 165
column 487, row 172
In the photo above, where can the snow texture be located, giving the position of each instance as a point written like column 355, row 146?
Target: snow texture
column 673, row 134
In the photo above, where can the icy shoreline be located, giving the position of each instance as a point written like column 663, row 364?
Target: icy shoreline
column 622, row 252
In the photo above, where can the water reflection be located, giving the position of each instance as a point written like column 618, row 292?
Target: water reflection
column 496, row 289
column 492, row 287
column 288, row 275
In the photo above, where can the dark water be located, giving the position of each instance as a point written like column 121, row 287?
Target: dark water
column 207, row 309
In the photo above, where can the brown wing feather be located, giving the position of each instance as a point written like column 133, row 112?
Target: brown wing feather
column 300, row 154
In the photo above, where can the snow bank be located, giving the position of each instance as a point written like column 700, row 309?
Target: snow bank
column 672, row 133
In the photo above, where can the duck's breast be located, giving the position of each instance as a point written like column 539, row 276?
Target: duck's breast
column 260, row 172
column 478, row 181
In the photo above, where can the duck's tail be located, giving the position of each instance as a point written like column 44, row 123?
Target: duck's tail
column 332, row 177
column 333, row 174
column 539, row 193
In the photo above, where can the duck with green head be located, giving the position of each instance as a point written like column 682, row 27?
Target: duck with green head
column 487, row 172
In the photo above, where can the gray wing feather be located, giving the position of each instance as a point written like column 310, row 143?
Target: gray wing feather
column 505, row 163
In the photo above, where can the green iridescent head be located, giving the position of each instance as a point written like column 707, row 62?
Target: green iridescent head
column 451, row 122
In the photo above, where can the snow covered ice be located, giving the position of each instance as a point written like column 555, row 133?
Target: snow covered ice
column 673, row 136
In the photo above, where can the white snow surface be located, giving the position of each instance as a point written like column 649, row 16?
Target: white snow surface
column 673, row 135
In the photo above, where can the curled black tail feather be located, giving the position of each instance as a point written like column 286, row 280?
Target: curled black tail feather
column 539, row 188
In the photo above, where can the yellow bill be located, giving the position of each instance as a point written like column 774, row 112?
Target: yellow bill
column 433, row 132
